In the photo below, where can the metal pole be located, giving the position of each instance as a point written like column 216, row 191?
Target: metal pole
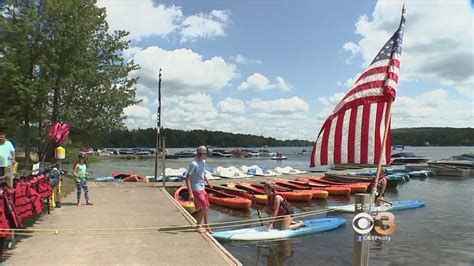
column 360, row 248
column 163, row 157
column 158, row 125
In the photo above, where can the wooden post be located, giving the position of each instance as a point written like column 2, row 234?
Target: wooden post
column 163, row 157
column 360, row 248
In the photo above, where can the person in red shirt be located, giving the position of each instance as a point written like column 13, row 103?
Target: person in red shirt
column 278, row 206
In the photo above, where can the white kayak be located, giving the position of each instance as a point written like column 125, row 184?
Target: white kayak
column 396, row 205
column 312, row 226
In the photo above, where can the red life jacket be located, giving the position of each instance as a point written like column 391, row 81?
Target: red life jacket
column 9, row 208
column 4, row 224
column 35, row 200
column 23, row 204
column 281, row 209
column 44, row 187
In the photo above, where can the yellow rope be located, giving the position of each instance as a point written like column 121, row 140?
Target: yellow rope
column 164, row 229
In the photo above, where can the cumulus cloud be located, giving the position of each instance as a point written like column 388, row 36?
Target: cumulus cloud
column 205, row 25
column 258, row 82
column 240, row 59
column 231, row 105
column 436, row 46
column 184, row 72
column 143, row 19
column 293, row 106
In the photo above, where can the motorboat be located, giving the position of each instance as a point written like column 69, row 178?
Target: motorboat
column 403, row 157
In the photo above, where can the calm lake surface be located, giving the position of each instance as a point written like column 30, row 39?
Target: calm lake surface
column 442, row 233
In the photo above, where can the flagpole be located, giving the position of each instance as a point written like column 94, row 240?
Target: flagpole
column 385, row 135
column 158, row 126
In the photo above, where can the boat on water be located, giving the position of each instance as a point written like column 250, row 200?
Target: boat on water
column 224, row 199
column 403, row 157
column 279, row 157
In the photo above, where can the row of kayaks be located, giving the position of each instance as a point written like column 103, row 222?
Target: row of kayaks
column 241, row 195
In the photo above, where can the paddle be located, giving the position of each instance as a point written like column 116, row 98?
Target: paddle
column 391, row 203
column 258, row 211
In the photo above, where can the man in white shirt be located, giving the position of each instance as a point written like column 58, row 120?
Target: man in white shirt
column 7, row 153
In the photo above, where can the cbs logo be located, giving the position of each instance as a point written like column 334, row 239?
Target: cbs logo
column 383, row 223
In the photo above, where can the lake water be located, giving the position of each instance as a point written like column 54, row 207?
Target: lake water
column 442, row 233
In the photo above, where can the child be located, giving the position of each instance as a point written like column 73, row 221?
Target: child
column 80, row 172
column 278, row 206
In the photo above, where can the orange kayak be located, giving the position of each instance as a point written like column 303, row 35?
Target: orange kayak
column 332, row 190
column 227, row 200
column 355, row 187
column 317, row 193
column 181, row 195
column 292, row 195
column 254, row 197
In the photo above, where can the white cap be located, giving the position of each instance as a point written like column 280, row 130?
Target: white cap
column 201, row 148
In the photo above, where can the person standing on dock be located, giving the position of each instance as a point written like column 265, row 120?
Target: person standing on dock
column 7, row 154
column 279, row 207
column 80, row 173
column 195, row 178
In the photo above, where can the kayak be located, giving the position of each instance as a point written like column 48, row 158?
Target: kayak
column 257, row 198
column 129, row 177
column 396, row 205
column 332, row 190
column 227, row 200
column 291, row 195
column 317, row 193
column 313, row 226
column 355, row 187
column 181, row 195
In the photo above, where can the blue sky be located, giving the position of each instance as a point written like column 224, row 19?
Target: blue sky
column 277, row 68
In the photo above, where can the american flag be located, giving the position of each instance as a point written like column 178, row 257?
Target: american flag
column 353, row 133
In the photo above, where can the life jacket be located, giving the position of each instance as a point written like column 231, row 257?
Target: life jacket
column 44, row 188
column 4, row 224
column 22, row 202
column 9, row 209
column 35, row 200
column 284, row 208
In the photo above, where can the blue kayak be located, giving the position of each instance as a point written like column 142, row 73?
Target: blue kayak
column 396, row 205
column 313, row 226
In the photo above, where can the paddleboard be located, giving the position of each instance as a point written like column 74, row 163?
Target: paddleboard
column 313, row 226
column 397, row 205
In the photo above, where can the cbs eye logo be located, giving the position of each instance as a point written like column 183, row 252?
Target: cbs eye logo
column 383, row 223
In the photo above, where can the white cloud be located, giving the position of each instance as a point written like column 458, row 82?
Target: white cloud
column 240, row 59
column 143, row 19
column 137, row 111
column 184, row 72
column 259, row 82
column 205, row 25
column 256, row 82
column 293, row 106
column 231, row 105
column 436, row 47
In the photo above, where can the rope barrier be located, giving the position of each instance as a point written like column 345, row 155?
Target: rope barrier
column 163, row 229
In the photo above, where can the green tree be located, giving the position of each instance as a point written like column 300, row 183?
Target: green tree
column 59, row 62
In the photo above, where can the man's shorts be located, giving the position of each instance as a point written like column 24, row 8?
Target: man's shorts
column 200, row 199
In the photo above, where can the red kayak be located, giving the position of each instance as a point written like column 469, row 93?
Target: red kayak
column 333, row 190
column 257, row 198
column 227, row 200
column 355, row 187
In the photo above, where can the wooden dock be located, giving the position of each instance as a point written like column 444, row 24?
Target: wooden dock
column 122, row 206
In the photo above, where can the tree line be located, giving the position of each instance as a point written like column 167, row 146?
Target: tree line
column 179, row 138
